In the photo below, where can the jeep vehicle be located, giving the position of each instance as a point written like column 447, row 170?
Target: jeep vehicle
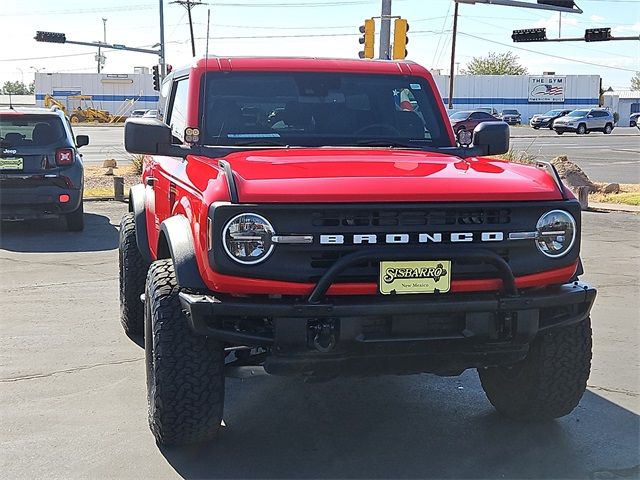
column 317, row 217
column 41, row 171
column 585, row 120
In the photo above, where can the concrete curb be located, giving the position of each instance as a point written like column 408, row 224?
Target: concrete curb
column 613, row 207
column 104, row 199
column 558, row 136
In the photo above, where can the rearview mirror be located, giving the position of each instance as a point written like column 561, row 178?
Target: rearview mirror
column 82, row 140
column 492, row 138
column 150, row 136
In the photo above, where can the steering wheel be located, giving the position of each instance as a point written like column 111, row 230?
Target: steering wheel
column 380, row 127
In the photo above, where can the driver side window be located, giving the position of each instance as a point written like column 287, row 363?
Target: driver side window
column 177, row 116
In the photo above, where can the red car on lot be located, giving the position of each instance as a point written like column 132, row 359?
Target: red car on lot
column 316, row 217
column 469, row 119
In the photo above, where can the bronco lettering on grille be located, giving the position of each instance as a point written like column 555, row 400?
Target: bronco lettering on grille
column 372, row 238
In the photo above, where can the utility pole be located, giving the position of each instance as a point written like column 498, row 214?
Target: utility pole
column 385, row 30
column 189, row 4
column 163, row 62
column 453, row 54
column 559, row 24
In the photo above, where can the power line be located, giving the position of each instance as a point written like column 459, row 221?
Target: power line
column 547, row 54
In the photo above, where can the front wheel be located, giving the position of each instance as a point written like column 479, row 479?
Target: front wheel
column 75, row 219
column 549, row 382
column 607, row 129
column 582, row 129
column 559, row 132
column 185, row 371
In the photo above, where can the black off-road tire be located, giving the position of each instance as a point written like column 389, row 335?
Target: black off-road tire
column 75, row 219
column 133, row 274
column 550, row 382
column 185, row 371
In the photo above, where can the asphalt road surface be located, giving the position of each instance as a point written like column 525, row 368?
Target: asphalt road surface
column 606, row 158
column 73, row 398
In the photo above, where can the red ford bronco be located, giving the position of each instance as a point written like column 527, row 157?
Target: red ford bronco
column 318, row 217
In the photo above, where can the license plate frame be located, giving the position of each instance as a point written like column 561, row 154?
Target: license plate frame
column 12, row 163
column 414, row 277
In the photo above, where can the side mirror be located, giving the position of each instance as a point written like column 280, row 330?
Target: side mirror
column 589, row 116
column 492, row 138
column 82, row 140
column 151, row 136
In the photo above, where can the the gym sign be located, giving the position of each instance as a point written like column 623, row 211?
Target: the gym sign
column 547, row 89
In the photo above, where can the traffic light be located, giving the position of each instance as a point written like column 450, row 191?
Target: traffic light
column 530, row 35
column 400, row 39
column 368, row 31
column 597, row 34
column 156, row 77
column 50, row 37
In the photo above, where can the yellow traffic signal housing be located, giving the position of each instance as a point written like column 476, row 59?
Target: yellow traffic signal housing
column 400, row 40
column 368, row 31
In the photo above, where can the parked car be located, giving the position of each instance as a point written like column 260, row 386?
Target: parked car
column 585, row 121
column 150, row 114
column 41, row 171
column 545, row 120
column 633, row 119
column 490, row 110
column 138, row 113
column 469, row 119
column 512, row 117
column 375, row 246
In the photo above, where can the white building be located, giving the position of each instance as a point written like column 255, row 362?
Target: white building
column 625, row 102
column 529, row 94
column 116, row 93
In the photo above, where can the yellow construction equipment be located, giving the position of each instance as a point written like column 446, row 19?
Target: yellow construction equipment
column 86, row 112
column 49, row 102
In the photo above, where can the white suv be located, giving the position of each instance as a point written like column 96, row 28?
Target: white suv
column 585, row 121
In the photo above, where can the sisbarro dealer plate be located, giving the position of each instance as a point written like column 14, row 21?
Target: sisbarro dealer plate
column 425, row 276
column 15, row 163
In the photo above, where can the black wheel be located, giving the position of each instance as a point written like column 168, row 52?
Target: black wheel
column 607, row 129
column 559, row 132
column 582, row 129
column 632, row 124
column 185, row 372
column 75, row 119
column 133, row 273
column 75, row 219
column 536, row 128
column 549, row 382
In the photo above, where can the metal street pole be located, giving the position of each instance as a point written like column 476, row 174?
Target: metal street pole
column 163, row 66
column 193, row 43
column 453, row 54
column 385, row 30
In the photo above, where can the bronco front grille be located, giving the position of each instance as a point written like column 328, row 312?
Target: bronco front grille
column 308, row 262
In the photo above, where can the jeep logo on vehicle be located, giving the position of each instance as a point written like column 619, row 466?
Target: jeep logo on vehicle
column 7, row 151
column 392, row 238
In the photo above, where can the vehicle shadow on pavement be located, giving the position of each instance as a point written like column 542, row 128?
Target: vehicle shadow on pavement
column 404, row 427
column 51, row 236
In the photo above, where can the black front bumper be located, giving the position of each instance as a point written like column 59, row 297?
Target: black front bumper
column 442, row 333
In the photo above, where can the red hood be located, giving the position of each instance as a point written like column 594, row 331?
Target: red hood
column 332, row 175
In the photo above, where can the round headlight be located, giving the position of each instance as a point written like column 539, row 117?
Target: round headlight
column 555, row 233
column 247, row 238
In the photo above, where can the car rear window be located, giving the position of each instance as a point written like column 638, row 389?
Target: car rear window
column 30, row 130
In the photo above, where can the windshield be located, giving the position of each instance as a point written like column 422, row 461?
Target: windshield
column 552, row 113
column 317, row 109
column 459, row 116
column 18, row 130
column 509, row 112
column 578, row 113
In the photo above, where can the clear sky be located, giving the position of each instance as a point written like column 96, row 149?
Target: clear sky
column 310, row 28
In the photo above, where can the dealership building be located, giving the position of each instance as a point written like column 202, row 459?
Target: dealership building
column 529, row 94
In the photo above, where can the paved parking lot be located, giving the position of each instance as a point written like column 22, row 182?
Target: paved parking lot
column 73, row 395
column 605, row 158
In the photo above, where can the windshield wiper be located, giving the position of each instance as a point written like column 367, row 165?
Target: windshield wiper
column 259, row 143
column 382, row 142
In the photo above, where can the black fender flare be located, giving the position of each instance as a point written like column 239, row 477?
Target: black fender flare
column 136, row 205
column 176, row 231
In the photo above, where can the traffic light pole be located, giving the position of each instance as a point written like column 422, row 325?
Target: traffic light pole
column 453, row 55
column 163, row 63
column 114, row 46
column 385, row 30
column 581, row 39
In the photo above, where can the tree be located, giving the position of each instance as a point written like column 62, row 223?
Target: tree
column 495, row 64
column 17, row 88
column 635, row 82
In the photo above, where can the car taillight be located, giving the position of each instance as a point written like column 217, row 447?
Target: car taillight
column 64, row 156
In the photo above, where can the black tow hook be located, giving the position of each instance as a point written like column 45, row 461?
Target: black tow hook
column 322, row 334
